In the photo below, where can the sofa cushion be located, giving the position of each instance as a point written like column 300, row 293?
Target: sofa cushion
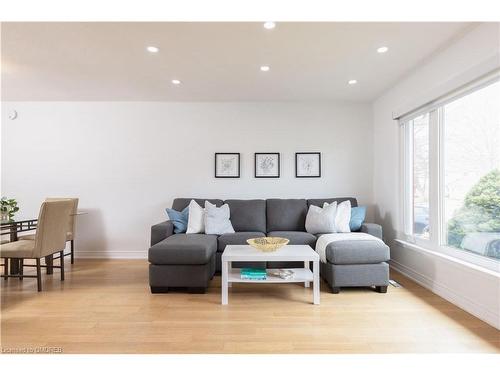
column 296, row 237
column 217, row 219
column 196, row 218
column 238, row 238
column 286, row 214
column 181, row 203
column 248, row 215
column 342, row 217
column 320, row 202
column 184, row 249
column 358, row 215
column 321, row 220
column 357, row 252
column 179, row 219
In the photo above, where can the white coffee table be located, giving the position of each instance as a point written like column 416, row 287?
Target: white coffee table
column 288, row 253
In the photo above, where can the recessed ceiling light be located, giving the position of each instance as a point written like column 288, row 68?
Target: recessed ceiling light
column 152, row 49
column 176, row 82
column 352, row 82
column 269, row 25
column 265, row 68
column 382, row 49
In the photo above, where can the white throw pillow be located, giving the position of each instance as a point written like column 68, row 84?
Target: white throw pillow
column 217, row 219
column 196, row 219
column 321, row 220
column 343, row 217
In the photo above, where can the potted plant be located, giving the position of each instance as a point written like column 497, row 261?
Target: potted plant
column 8, row 207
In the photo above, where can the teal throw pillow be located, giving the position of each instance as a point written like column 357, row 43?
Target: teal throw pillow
column 179, row 219
column 357, row 218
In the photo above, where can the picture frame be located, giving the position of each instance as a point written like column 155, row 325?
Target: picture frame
column 267, row 165
column 227, row 165
column 307, row 164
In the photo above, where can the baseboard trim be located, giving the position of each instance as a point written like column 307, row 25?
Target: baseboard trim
column 111, row 254
column 465, row 303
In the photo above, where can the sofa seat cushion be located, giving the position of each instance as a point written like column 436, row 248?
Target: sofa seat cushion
column 295, row 237
column 184, row 248
column 357, row 252
column 238, row 238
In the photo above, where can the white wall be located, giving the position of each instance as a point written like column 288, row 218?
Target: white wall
column 128, row 161
column 473, row 290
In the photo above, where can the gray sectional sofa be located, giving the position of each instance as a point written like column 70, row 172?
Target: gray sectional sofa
column 191, row 260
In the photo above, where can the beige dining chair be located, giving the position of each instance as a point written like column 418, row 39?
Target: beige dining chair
column 50, row 238
column 70, row 236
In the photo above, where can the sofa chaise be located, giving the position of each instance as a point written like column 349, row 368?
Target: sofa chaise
column 191, row 260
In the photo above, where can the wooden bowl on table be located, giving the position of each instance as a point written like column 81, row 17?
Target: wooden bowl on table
column 268, row 244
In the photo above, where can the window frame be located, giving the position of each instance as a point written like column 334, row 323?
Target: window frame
column 437, row 227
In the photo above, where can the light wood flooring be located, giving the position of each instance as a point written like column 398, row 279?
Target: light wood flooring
column 105, row 306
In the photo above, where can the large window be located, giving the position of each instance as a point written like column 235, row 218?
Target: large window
column 472, row 172
column 421, row 175
column 452, row 169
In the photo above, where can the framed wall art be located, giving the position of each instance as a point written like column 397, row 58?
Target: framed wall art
column 307, row 164
column 227, row 164
column 267, row 165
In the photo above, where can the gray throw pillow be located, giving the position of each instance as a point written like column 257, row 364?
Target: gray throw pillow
column 217, row 219
column 321, row 220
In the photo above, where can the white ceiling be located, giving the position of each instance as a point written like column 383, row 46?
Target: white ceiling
column 215, row 61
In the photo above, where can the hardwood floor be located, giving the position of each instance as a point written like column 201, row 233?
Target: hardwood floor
column 104, row 306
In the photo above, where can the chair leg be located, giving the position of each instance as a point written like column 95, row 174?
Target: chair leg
column 6, row 268
column 61, row 259
column 21, row 268
column 72, row 251
column 38, row 275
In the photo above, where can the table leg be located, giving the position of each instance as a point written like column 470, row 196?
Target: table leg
column 225, row 269
column 14, row 266
column 306, row 266
column 13, row 233
column 49, row 261
column 229, row 268
column 316, row 282
column 14, row 263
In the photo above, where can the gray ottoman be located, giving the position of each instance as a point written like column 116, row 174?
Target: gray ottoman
column 353, row 263
column 182, row 260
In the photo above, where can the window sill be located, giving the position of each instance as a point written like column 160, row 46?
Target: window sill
column 449, row 258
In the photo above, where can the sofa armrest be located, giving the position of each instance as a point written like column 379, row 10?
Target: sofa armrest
column 161, row 231
column 373, row 229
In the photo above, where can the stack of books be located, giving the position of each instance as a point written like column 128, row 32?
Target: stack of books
column 253, row 274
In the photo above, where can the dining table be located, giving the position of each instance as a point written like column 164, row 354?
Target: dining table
column 11, row 227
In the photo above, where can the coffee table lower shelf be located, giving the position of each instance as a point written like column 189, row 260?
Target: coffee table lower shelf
column 301, row 275
column 289, row 253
